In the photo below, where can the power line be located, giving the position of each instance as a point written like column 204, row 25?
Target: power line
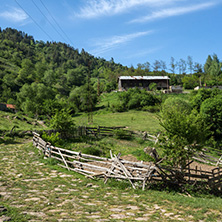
column 34, row 20
column 56, row 23
column 48, row 20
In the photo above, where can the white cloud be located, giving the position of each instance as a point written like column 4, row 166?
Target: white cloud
column 15, row 15
column 96, row 8
column 164, row 13
column 143, row 53
column 104, row 45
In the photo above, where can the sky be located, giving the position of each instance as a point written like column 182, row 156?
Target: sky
column 129, row 31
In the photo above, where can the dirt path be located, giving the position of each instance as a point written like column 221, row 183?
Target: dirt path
column 42, row 193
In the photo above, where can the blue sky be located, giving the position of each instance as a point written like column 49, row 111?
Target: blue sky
column 130, row 31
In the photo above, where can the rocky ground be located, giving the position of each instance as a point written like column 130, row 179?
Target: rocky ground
column 39, row 191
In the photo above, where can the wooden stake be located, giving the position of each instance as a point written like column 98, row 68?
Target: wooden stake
column 63, row 159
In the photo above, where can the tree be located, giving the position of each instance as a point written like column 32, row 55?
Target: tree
column 172, row 65
column 207, row 64
column 26, row 73
column 63, row 122
column 198, row 67
column 182, row 66
column 190, row 64
column 201, row 95
column 215, row 68
column 84, row 98
column 190, row 82
column 162, row 65
column 156, row 65
column 211, row 110
column 184, row 134
column 31, row 97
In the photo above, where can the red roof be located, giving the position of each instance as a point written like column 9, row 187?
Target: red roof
column 10, row 106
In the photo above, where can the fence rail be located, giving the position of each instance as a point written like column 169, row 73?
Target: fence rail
column 114, row 167
column 81, row 131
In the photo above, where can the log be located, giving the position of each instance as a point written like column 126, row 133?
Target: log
column 64, row 160
column 126, row 172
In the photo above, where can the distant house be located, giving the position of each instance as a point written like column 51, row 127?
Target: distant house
column 11, row 107
column 143, row 82
column 7, row 107
column 3, row 107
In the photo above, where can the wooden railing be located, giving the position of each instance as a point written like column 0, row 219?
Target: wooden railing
column 115, row 167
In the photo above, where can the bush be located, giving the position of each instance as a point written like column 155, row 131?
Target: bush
column 202, row 95
column 92, row 151
column 211, row 111
column 54, row 138
column 136, row 99
column 183, row 128
column 62, row 121
column 122, row 134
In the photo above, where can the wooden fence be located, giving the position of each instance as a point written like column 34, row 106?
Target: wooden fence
column 82, row 131
column 199, row 156
column 114, row 167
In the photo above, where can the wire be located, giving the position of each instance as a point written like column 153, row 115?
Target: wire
column 48, row 20
column 34, row 20
column 56, row 23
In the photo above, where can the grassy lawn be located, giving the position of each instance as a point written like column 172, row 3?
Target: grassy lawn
column 9, row 120
column 133, row 120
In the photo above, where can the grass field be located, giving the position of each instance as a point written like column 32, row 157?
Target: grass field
column 9, row 120
column 133, row 120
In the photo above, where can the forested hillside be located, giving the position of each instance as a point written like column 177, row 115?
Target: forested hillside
column 32, row 72
column 40, row 77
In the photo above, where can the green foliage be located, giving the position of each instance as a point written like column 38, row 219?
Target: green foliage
column 62, row 121
column 122, row 134
column 136, row 99
column 56, row 69
column 83, row 98
column 31, row 97
column 202, row 95
column 190, row 82
column 152, row 109
column 211, row 110
column 92, row 151
column 54, row 138
column 185, row 131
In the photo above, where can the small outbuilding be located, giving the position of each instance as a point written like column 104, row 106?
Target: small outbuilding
column 7, row 107
column 143, row 82
column 176, row 89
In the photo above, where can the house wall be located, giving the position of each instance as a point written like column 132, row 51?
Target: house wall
column 3, row 107
column 126, row 84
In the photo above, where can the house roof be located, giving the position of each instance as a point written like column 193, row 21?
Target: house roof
column 10, row 106
column 144, row 78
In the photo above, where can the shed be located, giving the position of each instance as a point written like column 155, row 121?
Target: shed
column 7, row 107
column 176, row 89
column 143, row 82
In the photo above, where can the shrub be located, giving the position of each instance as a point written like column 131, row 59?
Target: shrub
column 202, row 95
column 151, row 109
column 54, row 138
column 122, row 134
column 92, row 151
column 63, row 122
column 211, row 111
column 136, row 99
column 185, row 131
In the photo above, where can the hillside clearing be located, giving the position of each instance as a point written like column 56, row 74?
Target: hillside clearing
column 133, row 120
